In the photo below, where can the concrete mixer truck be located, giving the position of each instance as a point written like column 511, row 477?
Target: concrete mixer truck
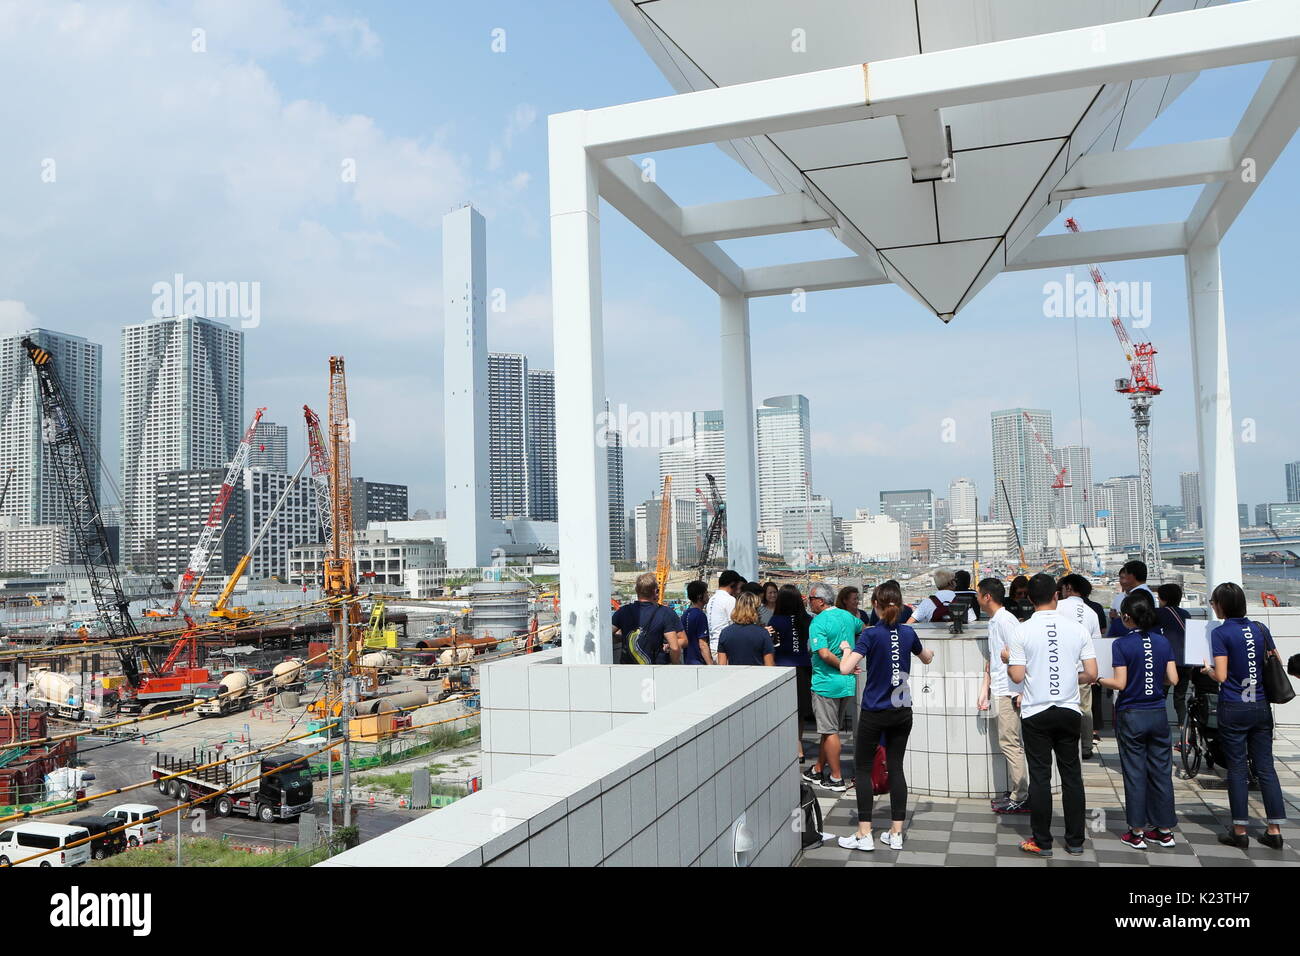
column 65, row 695
column 232, row 694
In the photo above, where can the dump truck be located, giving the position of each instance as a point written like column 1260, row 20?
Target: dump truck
column 249, row 783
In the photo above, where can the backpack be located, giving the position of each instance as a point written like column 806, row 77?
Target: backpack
column 634, row 651
column 940, row 609
column 810, row 818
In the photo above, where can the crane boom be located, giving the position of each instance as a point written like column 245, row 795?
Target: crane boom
column 320, row 475
column 717, row 527
column 665, row 524
column 201, row 555
column 62, row 437
column 1140, row 387
column 219, row 608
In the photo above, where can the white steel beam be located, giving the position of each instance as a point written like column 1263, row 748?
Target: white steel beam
column 1265, row 128
column 651, row 210
column 764, row 216
column 738, row 419
column 926, row 140
column 582, row 473
column 1155, row 167
column 1089, row 56
column 1215, row 430
column 1101, row 245
column 817, row 275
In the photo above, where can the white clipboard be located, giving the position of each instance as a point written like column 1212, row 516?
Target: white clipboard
column 1102, row 646
column 1196, row 643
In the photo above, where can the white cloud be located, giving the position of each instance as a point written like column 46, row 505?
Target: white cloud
column 14, row 317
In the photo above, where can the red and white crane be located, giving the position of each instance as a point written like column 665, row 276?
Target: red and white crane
column 201, row 555
column 320, row 475
column 1140, row 387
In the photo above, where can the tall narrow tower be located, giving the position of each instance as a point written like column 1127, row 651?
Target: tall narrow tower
column 465, row 387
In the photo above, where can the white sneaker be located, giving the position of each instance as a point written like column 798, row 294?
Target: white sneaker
column 891, row 839
column 855, row 842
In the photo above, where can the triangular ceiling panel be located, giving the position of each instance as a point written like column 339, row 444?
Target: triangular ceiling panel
column 938, row 239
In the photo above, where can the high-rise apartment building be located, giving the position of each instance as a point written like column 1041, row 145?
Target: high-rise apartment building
column 913, row 508
column 690, row 458
column 270, row 448
column 182, row 408
column 683, row 532
column 784, row 439
column 1189, row 483
column 1119, row 509
column 508, row 433
column 182, row 500
column 1076, row 498
column 377, row 501
column 1293, row 481
column 963, row 501
column 1020, row 467
column 296, row 522
column 521, row 439
column 617, row 502
column 35, row 496
column 543, row 480
column 806, row 530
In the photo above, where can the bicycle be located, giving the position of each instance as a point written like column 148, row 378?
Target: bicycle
column 1198, row 740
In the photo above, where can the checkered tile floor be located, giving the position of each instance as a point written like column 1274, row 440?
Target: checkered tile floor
column 957, row 832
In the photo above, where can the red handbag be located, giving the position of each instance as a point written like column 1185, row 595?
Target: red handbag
column 879, row 772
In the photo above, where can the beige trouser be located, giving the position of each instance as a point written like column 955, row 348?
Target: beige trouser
column 1085, row 728
column 1012, row 748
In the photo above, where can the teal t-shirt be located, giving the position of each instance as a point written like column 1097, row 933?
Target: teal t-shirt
column 829, row 628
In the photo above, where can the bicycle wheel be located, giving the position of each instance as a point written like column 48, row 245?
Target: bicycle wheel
column 1191, row 744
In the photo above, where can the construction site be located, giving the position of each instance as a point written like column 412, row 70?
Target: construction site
column 344, row 712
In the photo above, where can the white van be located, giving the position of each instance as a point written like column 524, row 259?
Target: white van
column 142, row 819
column 24, row 840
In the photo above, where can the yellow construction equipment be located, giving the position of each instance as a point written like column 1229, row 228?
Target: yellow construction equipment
column 377, row 634
column 665, row 525
column 220, row 606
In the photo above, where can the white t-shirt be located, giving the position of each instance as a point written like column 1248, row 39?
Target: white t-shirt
column 718, row 611
column 1051, row 647
column 1076, row 609
column 1002, row 628
column 925, row 608
column 1118, row 599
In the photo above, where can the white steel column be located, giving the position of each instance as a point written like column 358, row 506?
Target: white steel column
column 582, row 474
column 738, row 423
column 1214, row 425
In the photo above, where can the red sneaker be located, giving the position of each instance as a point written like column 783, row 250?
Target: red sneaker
column 1133, row 840
column 1159, row 837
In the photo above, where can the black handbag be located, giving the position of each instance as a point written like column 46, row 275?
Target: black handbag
column 1277, row 685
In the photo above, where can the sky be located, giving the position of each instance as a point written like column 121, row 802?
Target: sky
column 314, row 148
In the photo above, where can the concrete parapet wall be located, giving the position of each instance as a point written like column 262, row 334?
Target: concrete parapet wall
column 667, row 761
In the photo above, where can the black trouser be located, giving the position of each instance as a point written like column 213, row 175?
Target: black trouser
column 895, row 723
column 1055, row 730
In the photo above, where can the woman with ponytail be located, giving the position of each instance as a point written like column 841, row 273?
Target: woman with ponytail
column 886, row 650
column 1144, row 663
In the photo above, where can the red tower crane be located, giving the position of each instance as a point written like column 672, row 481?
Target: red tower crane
column 1140, row 387
column 201, row 556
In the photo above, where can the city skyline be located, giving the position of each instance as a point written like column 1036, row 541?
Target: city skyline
column 367, row 249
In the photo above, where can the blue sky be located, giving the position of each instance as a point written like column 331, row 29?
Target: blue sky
column 224, row 165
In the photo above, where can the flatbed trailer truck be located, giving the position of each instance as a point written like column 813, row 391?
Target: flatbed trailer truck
column 278, row 795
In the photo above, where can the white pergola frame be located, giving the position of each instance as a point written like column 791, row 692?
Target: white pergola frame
column 589, row 159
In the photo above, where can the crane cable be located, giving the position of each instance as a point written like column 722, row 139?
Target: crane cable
column 66, row 805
